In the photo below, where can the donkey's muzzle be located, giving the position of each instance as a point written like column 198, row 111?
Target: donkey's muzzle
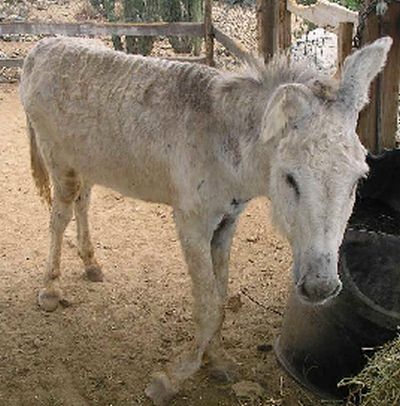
column 318, row 290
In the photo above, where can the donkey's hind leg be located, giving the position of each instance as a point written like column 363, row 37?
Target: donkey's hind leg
column 85, row 247
column 66, row 187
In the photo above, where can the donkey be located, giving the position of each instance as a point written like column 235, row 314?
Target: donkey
column 205, row 143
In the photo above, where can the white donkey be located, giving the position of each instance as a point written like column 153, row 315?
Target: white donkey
column 204, row 142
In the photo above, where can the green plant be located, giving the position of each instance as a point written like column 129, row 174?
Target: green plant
column 183, row 10
column 140, row 11
column 107, row 9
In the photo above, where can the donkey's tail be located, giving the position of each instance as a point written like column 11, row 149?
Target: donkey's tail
column 39, row 171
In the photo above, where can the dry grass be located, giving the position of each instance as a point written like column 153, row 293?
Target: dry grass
column 379, row 382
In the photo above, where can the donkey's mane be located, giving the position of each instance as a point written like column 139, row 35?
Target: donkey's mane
column 248, row 91
column 281, row 69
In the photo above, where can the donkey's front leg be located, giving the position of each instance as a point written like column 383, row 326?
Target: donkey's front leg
column 195, row 234
column 222, row 367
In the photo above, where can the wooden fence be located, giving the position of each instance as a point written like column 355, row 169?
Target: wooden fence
column 158, row 29
column 322, row 13
column 274, row 24
column 273, row 32
column 377, row 124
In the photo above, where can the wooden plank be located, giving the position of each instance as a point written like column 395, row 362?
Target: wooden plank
column 87, row 29
column 390, row 77
column 323, row 13
column 378, row 121
column 11, row 63
column 345, row 42
column 232, row 45
column 366, row 127
column 285, row 26
column 267, row 27
column 191, row 59
column 208, row 32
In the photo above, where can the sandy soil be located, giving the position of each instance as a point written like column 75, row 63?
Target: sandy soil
column 103, row 348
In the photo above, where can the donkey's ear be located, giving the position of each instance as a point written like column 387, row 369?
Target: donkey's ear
column 359, row 70
column 289, row 103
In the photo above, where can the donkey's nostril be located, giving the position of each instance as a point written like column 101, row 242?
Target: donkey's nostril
column 301, row 290
column 318, row 291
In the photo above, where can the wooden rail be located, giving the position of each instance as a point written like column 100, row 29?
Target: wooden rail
column 323, row 13
column 93, row 29
column 232, row 45
column 11, row 63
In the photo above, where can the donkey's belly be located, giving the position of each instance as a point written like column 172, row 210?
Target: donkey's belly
column 146, row 180
column 132, row 170
column 130, row 156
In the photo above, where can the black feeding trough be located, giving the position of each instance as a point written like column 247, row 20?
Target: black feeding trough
column 319, row 345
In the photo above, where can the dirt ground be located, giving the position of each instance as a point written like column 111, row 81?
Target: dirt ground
column 103, row 348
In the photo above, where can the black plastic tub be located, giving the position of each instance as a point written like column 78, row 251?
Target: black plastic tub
column 319, row 345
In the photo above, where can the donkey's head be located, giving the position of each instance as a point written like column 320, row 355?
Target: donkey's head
column 318, row 162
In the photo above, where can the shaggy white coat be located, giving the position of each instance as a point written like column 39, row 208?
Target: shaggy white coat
column 204, row 142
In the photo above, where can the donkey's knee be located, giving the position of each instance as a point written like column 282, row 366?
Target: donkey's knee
column 67, row 186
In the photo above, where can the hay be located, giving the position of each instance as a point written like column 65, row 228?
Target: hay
column 379, row 382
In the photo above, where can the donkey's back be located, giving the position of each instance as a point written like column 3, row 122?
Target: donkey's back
column 111, row 117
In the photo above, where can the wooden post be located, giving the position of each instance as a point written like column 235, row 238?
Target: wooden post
column 391, row 77
column 208, row 35
column 344, row 42
column 378, row 121
column 267, row 27
column 285, row 26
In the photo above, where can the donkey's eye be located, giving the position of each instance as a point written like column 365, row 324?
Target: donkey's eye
column 293, row 184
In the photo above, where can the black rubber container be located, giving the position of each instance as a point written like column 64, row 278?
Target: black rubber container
column 319, row 345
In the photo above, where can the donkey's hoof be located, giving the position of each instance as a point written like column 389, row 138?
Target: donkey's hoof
column 160, row 390
column 223, row 368
column 94, row 273
column 48, row 299
column 226, row 373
